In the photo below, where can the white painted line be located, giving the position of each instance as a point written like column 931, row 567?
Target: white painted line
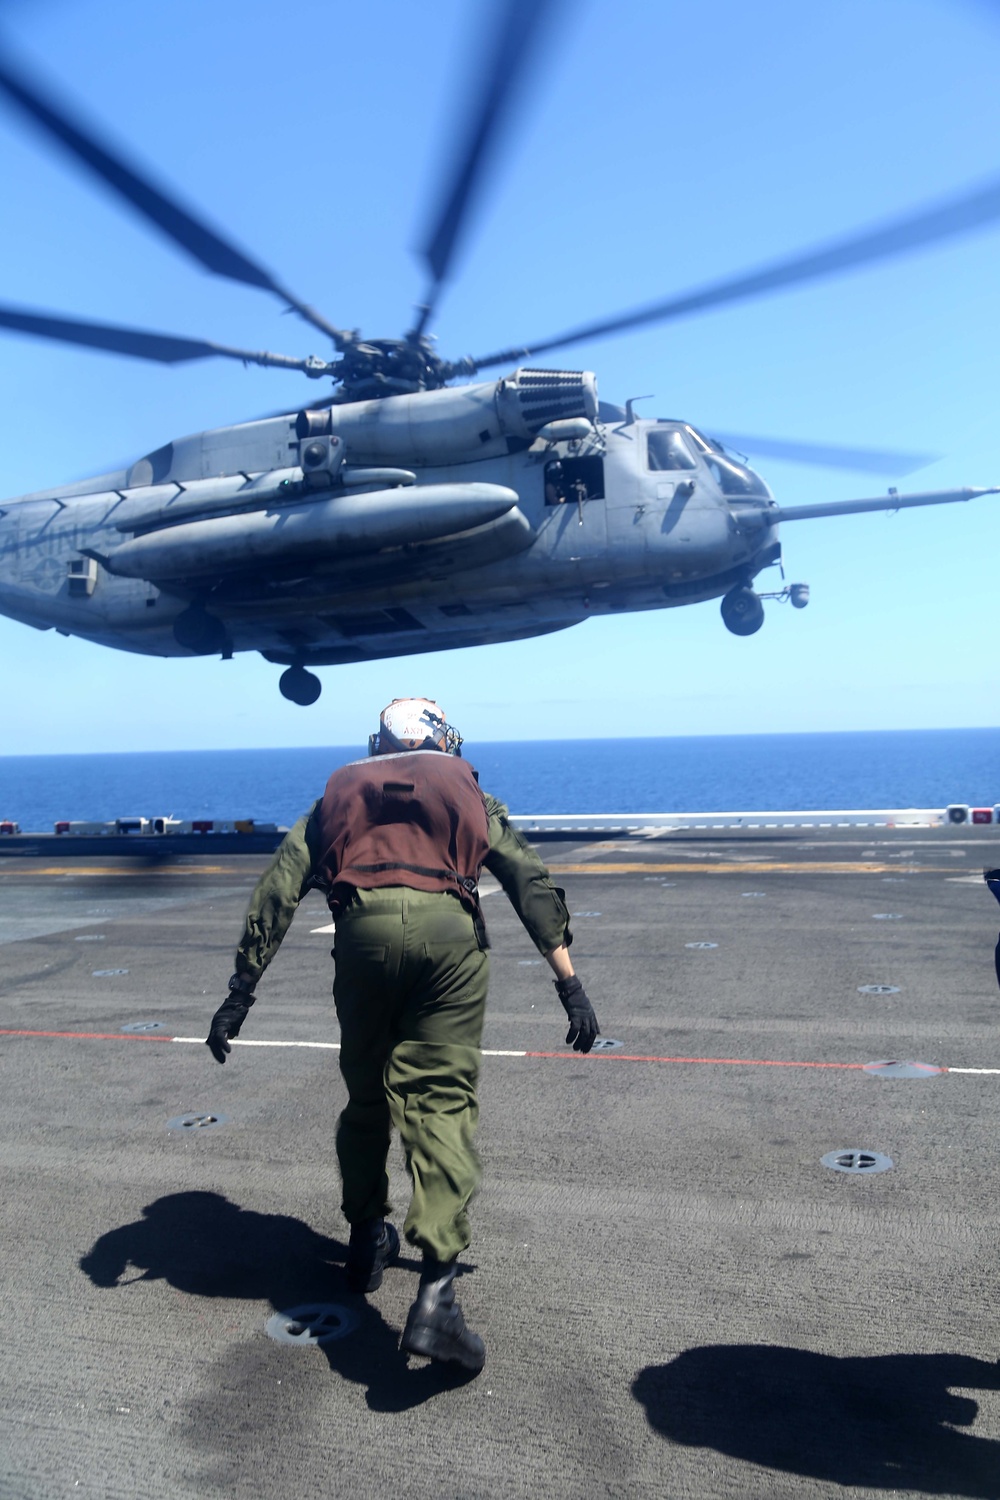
column 239, row 1041
column 974, row 1070
column 330, row 927
column 907, row 817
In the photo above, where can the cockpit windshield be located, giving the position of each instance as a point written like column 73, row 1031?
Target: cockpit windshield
column 732, row 478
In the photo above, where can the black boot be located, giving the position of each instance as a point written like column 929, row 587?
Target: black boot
column 435, row 1326
column 374, row 1243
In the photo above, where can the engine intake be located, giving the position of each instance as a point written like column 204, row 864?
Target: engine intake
column 543, row 396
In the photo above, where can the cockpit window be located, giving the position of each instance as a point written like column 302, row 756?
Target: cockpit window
column 666, row 449
column 733, row 479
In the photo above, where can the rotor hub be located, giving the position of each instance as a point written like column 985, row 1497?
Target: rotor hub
column 370, row 368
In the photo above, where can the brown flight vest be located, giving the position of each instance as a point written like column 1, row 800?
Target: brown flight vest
column 415, row 819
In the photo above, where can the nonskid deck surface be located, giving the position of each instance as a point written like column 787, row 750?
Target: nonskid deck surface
column 677, row 1297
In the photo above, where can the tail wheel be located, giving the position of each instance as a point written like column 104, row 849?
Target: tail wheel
column 300, row 686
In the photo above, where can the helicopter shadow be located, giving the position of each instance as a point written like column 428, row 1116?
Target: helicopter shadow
column 886, row 1422
column 676, row 507
column 205, row 1246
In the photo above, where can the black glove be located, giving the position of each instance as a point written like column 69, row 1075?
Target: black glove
column 228, row 1019
column 583, row 1027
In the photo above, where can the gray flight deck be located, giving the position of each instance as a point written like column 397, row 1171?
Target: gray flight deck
column 677, row 1298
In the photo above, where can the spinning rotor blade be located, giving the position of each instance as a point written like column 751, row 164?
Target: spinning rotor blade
column 953, row 217
column 518, row 32
column 194, row 236
column 162, row 347
column 829, row 456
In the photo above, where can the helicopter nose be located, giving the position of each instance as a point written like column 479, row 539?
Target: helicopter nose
column 697, row 539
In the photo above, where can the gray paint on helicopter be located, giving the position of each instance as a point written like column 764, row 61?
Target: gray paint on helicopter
column 652, row 540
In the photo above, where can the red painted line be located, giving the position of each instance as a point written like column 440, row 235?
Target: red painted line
column 91, row 1036
column 746, row 1062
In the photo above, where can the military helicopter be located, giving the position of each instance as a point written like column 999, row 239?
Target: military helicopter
column 405, row 514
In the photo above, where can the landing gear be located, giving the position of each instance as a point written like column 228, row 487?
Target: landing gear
column 300, row 686
column 742, row 611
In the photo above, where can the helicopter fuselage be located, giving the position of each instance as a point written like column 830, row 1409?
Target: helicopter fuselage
column 403, row 514
column 538, row 532
column 401, row 525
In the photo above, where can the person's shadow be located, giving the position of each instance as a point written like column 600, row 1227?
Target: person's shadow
column 883, row 1422
column 206, row 1246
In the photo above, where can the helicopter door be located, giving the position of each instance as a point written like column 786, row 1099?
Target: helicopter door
column 576, row 531
column 573, row 481
column 671, row 467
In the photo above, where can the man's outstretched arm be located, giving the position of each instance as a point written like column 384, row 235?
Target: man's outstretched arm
column 275, row 899
column 539, row 903
column 542, row 909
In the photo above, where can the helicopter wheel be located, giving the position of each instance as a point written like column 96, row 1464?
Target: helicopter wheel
column 300, row 686
column 742, row 612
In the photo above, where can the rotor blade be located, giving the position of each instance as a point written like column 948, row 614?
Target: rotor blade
column 194, row 236
column 165, row 348
column 944, row 221
column 828, row 455
column 520, row 24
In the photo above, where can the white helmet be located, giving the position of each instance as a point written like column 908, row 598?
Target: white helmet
column 413, row 724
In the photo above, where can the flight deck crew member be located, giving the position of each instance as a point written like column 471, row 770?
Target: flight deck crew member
column 397, row 843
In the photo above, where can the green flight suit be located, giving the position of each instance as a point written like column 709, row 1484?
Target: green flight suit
column 410, row 992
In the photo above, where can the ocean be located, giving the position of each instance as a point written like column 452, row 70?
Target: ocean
column 718, row 773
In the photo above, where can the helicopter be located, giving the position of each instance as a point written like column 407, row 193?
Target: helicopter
column 404, row 513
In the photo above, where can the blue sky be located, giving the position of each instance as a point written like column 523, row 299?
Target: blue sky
column 659, row 146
